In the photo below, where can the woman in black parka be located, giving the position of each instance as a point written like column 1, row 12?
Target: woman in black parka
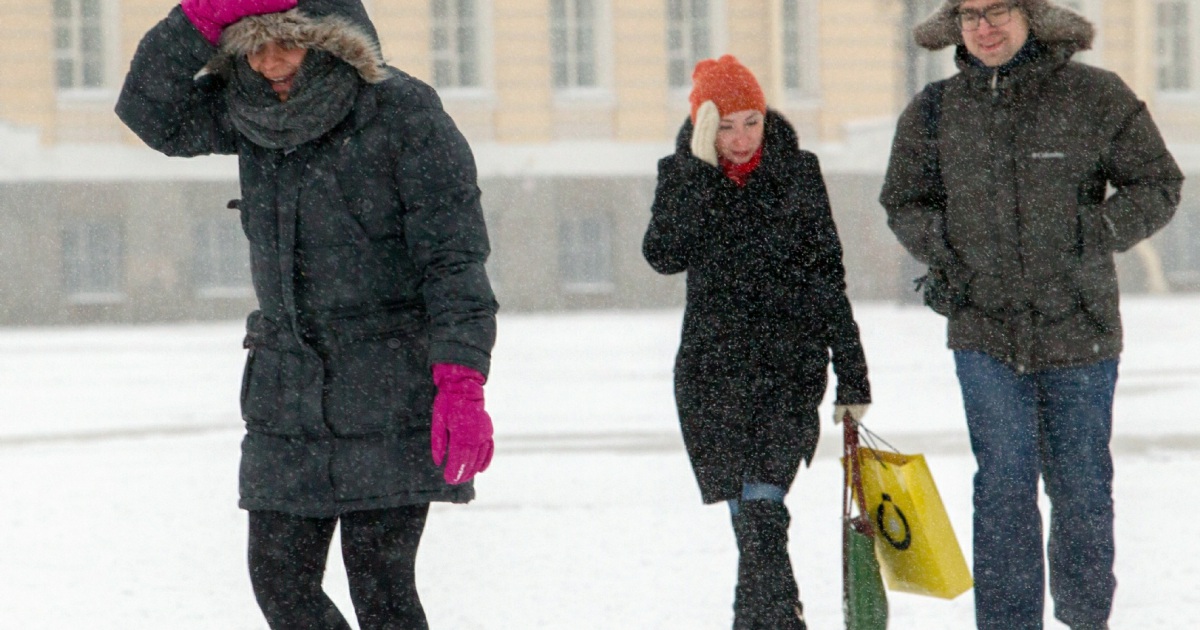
column 362, row 394
column 743, row 210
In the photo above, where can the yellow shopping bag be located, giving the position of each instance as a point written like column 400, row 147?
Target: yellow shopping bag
column 917, row 549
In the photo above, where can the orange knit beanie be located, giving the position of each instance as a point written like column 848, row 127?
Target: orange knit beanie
column 728, row 84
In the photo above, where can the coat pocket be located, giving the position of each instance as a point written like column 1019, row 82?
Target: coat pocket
column 944, row 290
column 1057, row 298
column 380, row 384
column 280, row 388
column 1093, row 233
column 271, row 393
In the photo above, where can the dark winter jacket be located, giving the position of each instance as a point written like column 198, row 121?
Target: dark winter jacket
column 367, row 254
column 766, row 302
column 1025, row 231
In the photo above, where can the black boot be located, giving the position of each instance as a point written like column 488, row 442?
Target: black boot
column 767, row 597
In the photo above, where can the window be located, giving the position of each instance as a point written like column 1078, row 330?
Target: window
column 80, row 49
column 1175, row 46
column 585, row 254
column 456, row 44
column 689, row 38
column 92, row 261
column 1180, row 248
column 800, row 52
column 573, row 41
column 221, row 261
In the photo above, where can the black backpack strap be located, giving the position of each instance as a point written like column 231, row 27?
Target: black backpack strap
column 935, row 285
column 931, row 114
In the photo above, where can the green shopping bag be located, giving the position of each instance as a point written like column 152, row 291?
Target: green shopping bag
column 865, row 604
column 864, row 601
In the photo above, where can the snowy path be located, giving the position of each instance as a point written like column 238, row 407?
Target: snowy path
column 119, row 451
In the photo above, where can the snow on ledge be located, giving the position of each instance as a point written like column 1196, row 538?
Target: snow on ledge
column 24, row 158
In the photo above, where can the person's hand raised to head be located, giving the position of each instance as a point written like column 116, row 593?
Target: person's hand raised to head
column 704, row 132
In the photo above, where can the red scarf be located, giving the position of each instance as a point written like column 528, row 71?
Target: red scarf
column 740, row 173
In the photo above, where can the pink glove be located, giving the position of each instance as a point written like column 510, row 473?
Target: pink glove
column 210, row 17
column 460, row 421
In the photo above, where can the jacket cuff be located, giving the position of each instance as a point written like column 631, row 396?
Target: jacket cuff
column 459, row 354
column 853, row 393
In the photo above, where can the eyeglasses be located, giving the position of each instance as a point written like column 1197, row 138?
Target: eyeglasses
column 997, row 15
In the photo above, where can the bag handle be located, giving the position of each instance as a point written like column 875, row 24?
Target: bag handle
column 853, row 478
column 873, row 440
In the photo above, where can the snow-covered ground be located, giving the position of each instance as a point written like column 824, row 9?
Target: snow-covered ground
column 119, row 448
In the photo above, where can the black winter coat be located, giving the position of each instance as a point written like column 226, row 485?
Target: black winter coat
column 1026, row 229
column 367, row 254
column 766, row 303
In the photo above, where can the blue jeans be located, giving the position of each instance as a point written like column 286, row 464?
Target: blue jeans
column 1055, row 424
column 753, row 491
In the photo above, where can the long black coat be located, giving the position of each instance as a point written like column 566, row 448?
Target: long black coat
column 766, row 303
column 367, row 253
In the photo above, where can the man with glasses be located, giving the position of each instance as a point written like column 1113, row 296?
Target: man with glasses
column 999, row 181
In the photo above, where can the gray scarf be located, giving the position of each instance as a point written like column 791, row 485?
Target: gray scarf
column 322, row 95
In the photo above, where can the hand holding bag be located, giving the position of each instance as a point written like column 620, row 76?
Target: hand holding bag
column 864, row 601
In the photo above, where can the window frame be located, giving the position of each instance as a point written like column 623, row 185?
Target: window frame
column 806, row 49
column 586, row 261
column 483, row 44
column 92, row 272
column 107, row 29
column 1180, row 254
column 716, row 21
column 1192, row 57
column 220, row 262
column 601, row 49
column 568, row 23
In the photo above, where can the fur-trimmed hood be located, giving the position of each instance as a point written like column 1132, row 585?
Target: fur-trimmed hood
column 1054, row 26
column 339, row 27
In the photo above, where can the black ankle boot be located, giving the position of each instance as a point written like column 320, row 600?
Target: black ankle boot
column 767, row 597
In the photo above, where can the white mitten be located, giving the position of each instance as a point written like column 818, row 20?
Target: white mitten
column 704, row 132
column 856, row 412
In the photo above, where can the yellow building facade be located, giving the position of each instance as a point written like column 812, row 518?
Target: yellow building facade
column 544, row 71
column 567, row 105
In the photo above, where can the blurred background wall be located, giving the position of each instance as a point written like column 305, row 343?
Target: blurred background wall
column 568, row 105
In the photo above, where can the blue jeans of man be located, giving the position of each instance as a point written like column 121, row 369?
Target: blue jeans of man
column 1054, row 424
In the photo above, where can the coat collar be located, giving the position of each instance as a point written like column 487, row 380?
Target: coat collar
column 1033, row 62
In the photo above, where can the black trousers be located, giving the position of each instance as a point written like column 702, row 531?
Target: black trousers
column 287, row 555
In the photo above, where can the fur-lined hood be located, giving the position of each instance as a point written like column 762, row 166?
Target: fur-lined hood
column 339, row 27
column 1051, row 24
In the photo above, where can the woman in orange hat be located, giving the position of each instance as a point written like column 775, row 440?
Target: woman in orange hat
column 743, row 210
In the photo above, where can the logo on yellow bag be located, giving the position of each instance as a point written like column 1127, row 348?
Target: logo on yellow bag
column 892, row 524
